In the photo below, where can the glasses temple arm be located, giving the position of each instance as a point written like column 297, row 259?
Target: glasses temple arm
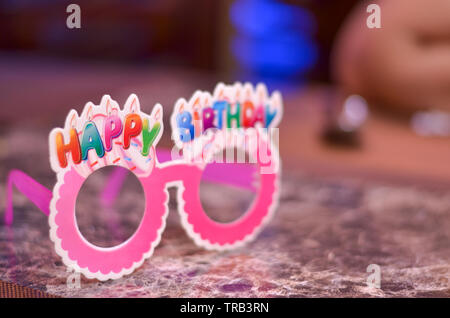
column 33, row 190
column 239, row 176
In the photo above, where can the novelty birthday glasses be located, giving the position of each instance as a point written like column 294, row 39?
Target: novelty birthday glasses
column 236, row 116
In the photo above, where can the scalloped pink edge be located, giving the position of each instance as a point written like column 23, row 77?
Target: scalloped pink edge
column 84, row 257
column 225, row 236
column 78, row 253
column 222, row 241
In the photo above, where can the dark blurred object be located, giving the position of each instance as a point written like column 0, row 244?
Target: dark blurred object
column 333, row 135
column 330, row 15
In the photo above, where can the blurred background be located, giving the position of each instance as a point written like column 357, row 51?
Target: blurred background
column 357, row 99
column 269, row 39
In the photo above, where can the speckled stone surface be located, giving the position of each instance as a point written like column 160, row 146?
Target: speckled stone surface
column 319, row 244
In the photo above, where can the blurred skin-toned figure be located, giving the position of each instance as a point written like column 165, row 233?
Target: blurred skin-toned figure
column 405, row 64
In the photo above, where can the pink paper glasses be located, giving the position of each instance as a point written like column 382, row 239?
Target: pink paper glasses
column 106, row 135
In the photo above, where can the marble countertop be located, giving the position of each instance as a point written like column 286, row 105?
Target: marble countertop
column 323, row 237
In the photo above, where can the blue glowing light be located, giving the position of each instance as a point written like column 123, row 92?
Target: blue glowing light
column 273, row 38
